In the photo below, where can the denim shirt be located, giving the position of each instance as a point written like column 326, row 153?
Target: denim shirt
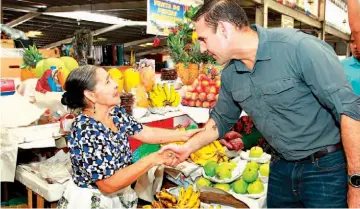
column 295, row 93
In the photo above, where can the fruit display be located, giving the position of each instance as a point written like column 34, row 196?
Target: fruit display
column 221, row 171
column 141, row 97
column 147, row 73
column 211, row 152
column 187, row 199
column 264, row 169
column 232, row 140
column 250, row 182
column 204, row 92
column 163, row 95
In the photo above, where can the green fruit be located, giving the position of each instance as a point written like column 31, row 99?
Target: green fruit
column 210, row 168
column 39, row 71
column 252, row 165
column 232, row 165
column 70, row 63
column 250, row 175
column 224, row 174
column 264, row 169
column 225, row 187
column 240, row 186
column 256, row 188
column 256, row 152
column 202, row 182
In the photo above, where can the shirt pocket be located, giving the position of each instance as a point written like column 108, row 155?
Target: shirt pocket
column 244, row 98
column 279, row 93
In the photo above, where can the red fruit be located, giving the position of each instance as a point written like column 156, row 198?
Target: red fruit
column 239, row 126
column 212, row 82
column 156, row 42
column 198, row 89
column 211, row 97
column 173, row 30
column 202, row 96
column 245, row 118
column 213, row 90
column 191, row 103
column 232, row 135
column 205, row 83
column 198, row 103
column 206, row 104
column 195, row 96
column 217, row 83
column 237, row 144
column 202, row 77
column 184, row 102
column 188, row 95
column 207, row 89
column 213, row 71
column 190, row 88
column 212, row 104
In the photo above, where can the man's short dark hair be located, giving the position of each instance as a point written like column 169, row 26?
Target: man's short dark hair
column 222, row 10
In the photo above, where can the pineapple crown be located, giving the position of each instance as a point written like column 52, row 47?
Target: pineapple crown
column 31, row 57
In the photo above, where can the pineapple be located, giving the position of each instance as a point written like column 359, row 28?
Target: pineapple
column 31, row 57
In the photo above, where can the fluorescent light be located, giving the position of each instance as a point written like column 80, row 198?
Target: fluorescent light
column 33, row 34
column 88, row 16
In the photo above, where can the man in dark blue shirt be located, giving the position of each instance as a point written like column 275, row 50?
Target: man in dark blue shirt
column 293, row 86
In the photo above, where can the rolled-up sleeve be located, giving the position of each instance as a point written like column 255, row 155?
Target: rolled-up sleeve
column 226, row 112
column 322, row 72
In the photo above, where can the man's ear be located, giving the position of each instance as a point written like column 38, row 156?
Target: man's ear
column 223, row 28
column 89, row 95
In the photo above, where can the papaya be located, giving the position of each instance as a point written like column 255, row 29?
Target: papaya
column 118, row 77
column 131, row 79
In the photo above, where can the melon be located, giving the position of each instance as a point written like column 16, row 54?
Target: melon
column 131, row 79
column 118, row 77
column 39, row 71
column 70, row 63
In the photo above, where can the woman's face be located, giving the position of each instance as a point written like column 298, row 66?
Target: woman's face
column 106, row 90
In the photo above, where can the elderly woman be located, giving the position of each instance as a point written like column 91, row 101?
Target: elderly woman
column 99, row 148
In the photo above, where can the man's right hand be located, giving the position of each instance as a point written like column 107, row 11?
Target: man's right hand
column 182, row 152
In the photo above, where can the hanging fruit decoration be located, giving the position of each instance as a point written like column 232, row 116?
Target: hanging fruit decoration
column 156, row 42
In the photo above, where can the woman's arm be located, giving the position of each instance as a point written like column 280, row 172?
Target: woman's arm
column 152, row 135
column 128, row 175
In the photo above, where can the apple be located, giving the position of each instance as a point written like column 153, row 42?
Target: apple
column 199, row 89
column 202, row 77
column 212, row 82
column 184, row 102
column 256, row 188
column 225, row 187
column 217, row 77
column 210, row 97
column 188, row 95
column 202, row 96
column 195, row 96
column 190, row 88
column 217, row 83
column 264, row 169
column 207, row 89
column 212, row 104
column 256, row 152
column 198, row 103
column 216, row 97
column 196, row 82
column 191, row 103
column 210, row 168
column 202, row 182
column 205, row 83
column 240, row 186
column 252, row 165
column 206, row 104
column 250, row 175
column 213, row 90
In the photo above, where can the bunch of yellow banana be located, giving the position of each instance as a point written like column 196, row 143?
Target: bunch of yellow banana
column 162, row 95
column 188, row 198
column 211, row 152
column 165, row 200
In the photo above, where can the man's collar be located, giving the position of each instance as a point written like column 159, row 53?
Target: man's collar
column 355, row 61
column 262, row 53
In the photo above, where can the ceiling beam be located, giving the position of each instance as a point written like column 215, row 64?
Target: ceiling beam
column 100, row 6
column 132, row 43
column 17, row 8
column 23, row 19
column 100, row 31
column 337, row 33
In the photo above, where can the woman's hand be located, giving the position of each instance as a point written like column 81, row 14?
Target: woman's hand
column 189, row 133
column 164, row 158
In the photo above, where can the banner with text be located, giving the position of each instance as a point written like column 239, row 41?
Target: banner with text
column 163, row 14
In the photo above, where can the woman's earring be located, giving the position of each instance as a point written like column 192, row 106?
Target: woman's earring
column 94, row 108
